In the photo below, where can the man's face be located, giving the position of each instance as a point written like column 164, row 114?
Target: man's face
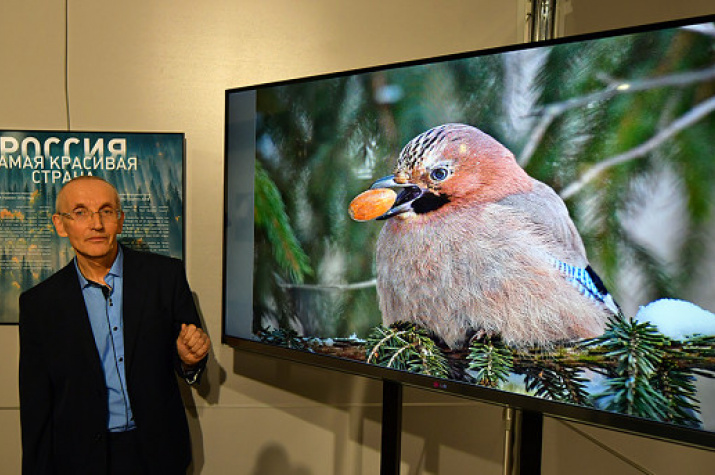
column 97, row 237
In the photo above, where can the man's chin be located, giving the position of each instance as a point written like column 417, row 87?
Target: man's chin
column 95, row 252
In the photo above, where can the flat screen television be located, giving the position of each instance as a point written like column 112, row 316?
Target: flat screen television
column 529, row 226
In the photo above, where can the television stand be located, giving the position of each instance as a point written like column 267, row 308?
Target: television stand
column 523, row 444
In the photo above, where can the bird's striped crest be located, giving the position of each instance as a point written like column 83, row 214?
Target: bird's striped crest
column 426, row 143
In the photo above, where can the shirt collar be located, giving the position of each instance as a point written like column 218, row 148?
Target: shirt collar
column 116, row 270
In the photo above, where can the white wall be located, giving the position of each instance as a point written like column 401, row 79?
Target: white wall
column 161, row 65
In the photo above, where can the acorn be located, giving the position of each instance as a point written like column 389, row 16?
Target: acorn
column 372, row 203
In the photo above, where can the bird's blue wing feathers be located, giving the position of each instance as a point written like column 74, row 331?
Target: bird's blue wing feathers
column 587, row 282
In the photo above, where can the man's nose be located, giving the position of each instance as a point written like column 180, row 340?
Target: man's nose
column 96, row 220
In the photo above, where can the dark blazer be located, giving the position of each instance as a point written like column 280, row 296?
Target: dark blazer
column 63, row 396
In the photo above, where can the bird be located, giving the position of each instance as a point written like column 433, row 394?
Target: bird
column 473, row 246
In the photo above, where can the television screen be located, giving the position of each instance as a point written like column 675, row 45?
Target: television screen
column 530, row 226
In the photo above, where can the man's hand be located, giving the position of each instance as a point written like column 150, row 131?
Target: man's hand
column 193, row 344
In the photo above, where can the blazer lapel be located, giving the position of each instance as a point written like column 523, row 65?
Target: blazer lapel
column 77, row 319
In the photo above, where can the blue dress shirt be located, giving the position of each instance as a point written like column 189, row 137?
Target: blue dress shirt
column 104, row 306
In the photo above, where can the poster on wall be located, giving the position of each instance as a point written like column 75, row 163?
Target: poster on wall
column 146, row 168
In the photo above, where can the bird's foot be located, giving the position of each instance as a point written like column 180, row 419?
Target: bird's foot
column 482, row 336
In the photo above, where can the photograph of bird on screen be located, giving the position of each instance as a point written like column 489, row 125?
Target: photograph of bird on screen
column 473, row 246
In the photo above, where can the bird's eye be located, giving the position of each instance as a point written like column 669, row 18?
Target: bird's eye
column 439, row 174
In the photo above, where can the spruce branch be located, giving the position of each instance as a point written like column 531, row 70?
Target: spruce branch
column 271, row 217
column 646, row 374
column 491, row 362
column 406, row 347
column 552, row 380
column 638, row 350
column 286, row 337
column 678, row 388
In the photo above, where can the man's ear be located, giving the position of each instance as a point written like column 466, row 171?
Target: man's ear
column 59, row 225
column 120, row 223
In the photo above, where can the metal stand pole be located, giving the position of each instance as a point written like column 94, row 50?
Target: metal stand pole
column 509, row 442
column 523, row 442
column 530, row 442
column 391, row 428
column 543, row 19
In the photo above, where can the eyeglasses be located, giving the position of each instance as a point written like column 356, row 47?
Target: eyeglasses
column 83, row 215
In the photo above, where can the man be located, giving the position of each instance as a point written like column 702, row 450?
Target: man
column 100, row 341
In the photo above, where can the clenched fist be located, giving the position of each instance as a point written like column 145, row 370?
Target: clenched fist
column 193, row 344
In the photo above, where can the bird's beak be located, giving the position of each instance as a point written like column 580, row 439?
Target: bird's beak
column 388, row 182
column 408, row 193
